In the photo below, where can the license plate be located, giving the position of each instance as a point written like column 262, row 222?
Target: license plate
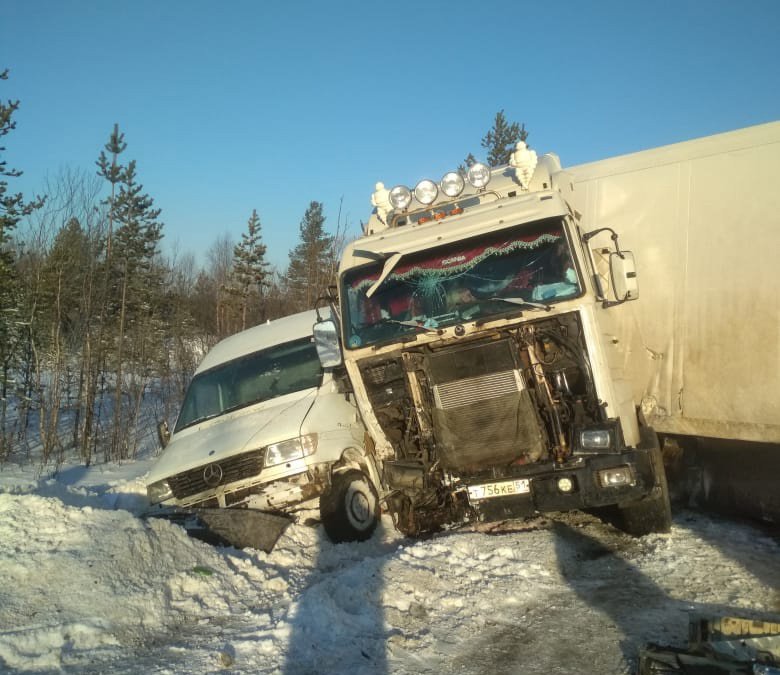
column 502, row 488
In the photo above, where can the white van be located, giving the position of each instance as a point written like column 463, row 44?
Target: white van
column 263, row 427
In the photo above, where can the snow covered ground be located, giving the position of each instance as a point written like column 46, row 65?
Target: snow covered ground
column 87, row 586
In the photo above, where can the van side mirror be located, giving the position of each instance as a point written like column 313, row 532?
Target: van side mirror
column 622, row 269
column 163, row 433
column 326, row 339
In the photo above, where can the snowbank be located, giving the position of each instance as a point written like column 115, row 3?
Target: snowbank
column 86, row 585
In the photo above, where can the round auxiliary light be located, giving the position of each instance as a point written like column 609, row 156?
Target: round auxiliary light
column 452, row 184
column 400, row 197
column 426, row 192
column 565, row 484
column 478, row 175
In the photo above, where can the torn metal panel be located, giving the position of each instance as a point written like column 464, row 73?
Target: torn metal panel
column 241, row 528
column 245, row 528
column 726, row 645
column 744, row 639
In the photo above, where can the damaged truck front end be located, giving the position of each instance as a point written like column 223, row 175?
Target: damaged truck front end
column 472, row 339
column 477, row 424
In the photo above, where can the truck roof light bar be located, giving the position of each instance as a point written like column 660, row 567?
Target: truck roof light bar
column 426, row 192
column 400, row 197
column 478, row 175
column 452, row 184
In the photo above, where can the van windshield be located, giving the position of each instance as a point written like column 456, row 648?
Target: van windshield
column 279, row 370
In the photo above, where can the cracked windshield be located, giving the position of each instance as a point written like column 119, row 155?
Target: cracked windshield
column 515, row 269
column 267, row 374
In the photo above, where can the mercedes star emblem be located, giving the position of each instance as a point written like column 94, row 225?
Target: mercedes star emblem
column 212, row 475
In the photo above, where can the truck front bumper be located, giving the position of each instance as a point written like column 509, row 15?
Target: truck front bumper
column 579, row 484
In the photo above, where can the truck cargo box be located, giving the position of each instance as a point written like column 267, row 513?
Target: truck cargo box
column 702, row 343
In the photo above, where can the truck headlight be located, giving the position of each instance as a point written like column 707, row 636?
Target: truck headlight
column 293, row 448
column 452, row 184
column 478, row 175
column 426, row 192
column 400, row 197
column 616, row 477
column 159, row 491
column 595, row 439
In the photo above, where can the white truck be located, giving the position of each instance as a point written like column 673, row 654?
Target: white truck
column 264, row 429
column 475, row 317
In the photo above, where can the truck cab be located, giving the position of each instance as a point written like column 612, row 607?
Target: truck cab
column 471, row 322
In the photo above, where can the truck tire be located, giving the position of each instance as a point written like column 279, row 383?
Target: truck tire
column 654, row 513
column 349, row 508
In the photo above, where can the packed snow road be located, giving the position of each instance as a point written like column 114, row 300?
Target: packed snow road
column 86, row 586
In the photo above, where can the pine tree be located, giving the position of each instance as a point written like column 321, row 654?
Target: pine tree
column 110, row 169
column 250, row 268
column 133, row 288
column 13, row 208
column 64, row 281
column 310, row 271
column 499, row 141
column 135, row 243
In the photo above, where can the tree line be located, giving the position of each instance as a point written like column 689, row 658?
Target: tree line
column 96, row 322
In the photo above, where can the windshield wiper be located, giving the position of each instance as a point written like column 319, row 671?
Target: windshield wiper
column 202, row 418
column 411, row 324
column 390, row 264
column 524, row 303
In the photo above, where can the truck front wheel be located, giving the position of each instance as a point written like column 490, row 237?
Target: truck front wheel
column 653, row 513
column 349, row 508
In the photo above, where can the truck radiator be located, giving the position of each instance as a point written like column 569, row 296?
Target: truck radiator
column 483, row 416
column 472, row 389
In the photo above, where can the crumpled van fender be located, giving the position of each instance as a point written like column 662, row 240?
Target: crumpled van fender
column 362, row 460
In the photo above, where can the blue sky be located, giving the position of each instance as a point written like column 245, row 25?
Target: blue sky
column 241, row 105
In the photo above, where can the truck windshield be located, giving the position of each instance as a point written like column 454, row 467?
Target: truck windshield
column 282, row 369
column 466, row 281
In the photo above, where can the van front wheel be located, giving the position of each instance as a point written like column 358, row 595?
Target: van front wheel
column 349, row 508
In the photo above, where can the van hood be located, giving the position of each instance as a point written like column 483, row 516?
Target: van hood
column 247, row 429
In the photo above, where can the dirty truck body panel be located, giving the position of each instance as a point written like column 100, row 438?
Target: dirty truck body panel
column 701, row 348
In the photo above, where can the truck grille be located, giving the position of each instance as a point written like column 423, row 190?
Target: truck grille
column 472, row 389
column 483, row 416
column 232, row 469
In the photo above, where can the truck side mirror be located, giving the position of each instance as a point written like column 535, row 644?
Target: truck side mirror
column 326, row 339
column 622, row 269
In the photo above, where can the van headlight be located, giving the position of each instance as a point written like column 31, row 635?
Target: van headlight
column 159, row 491
column 291, row 449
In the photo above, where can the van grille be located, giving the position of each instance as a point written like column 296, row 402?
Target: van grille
column 235, row 468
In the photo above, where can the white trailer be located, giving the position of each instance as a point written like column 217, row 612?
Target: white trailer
column 701, row 346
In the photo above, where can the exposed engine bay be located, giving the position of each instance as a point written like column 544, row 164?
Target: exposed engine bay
column 505, row 405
